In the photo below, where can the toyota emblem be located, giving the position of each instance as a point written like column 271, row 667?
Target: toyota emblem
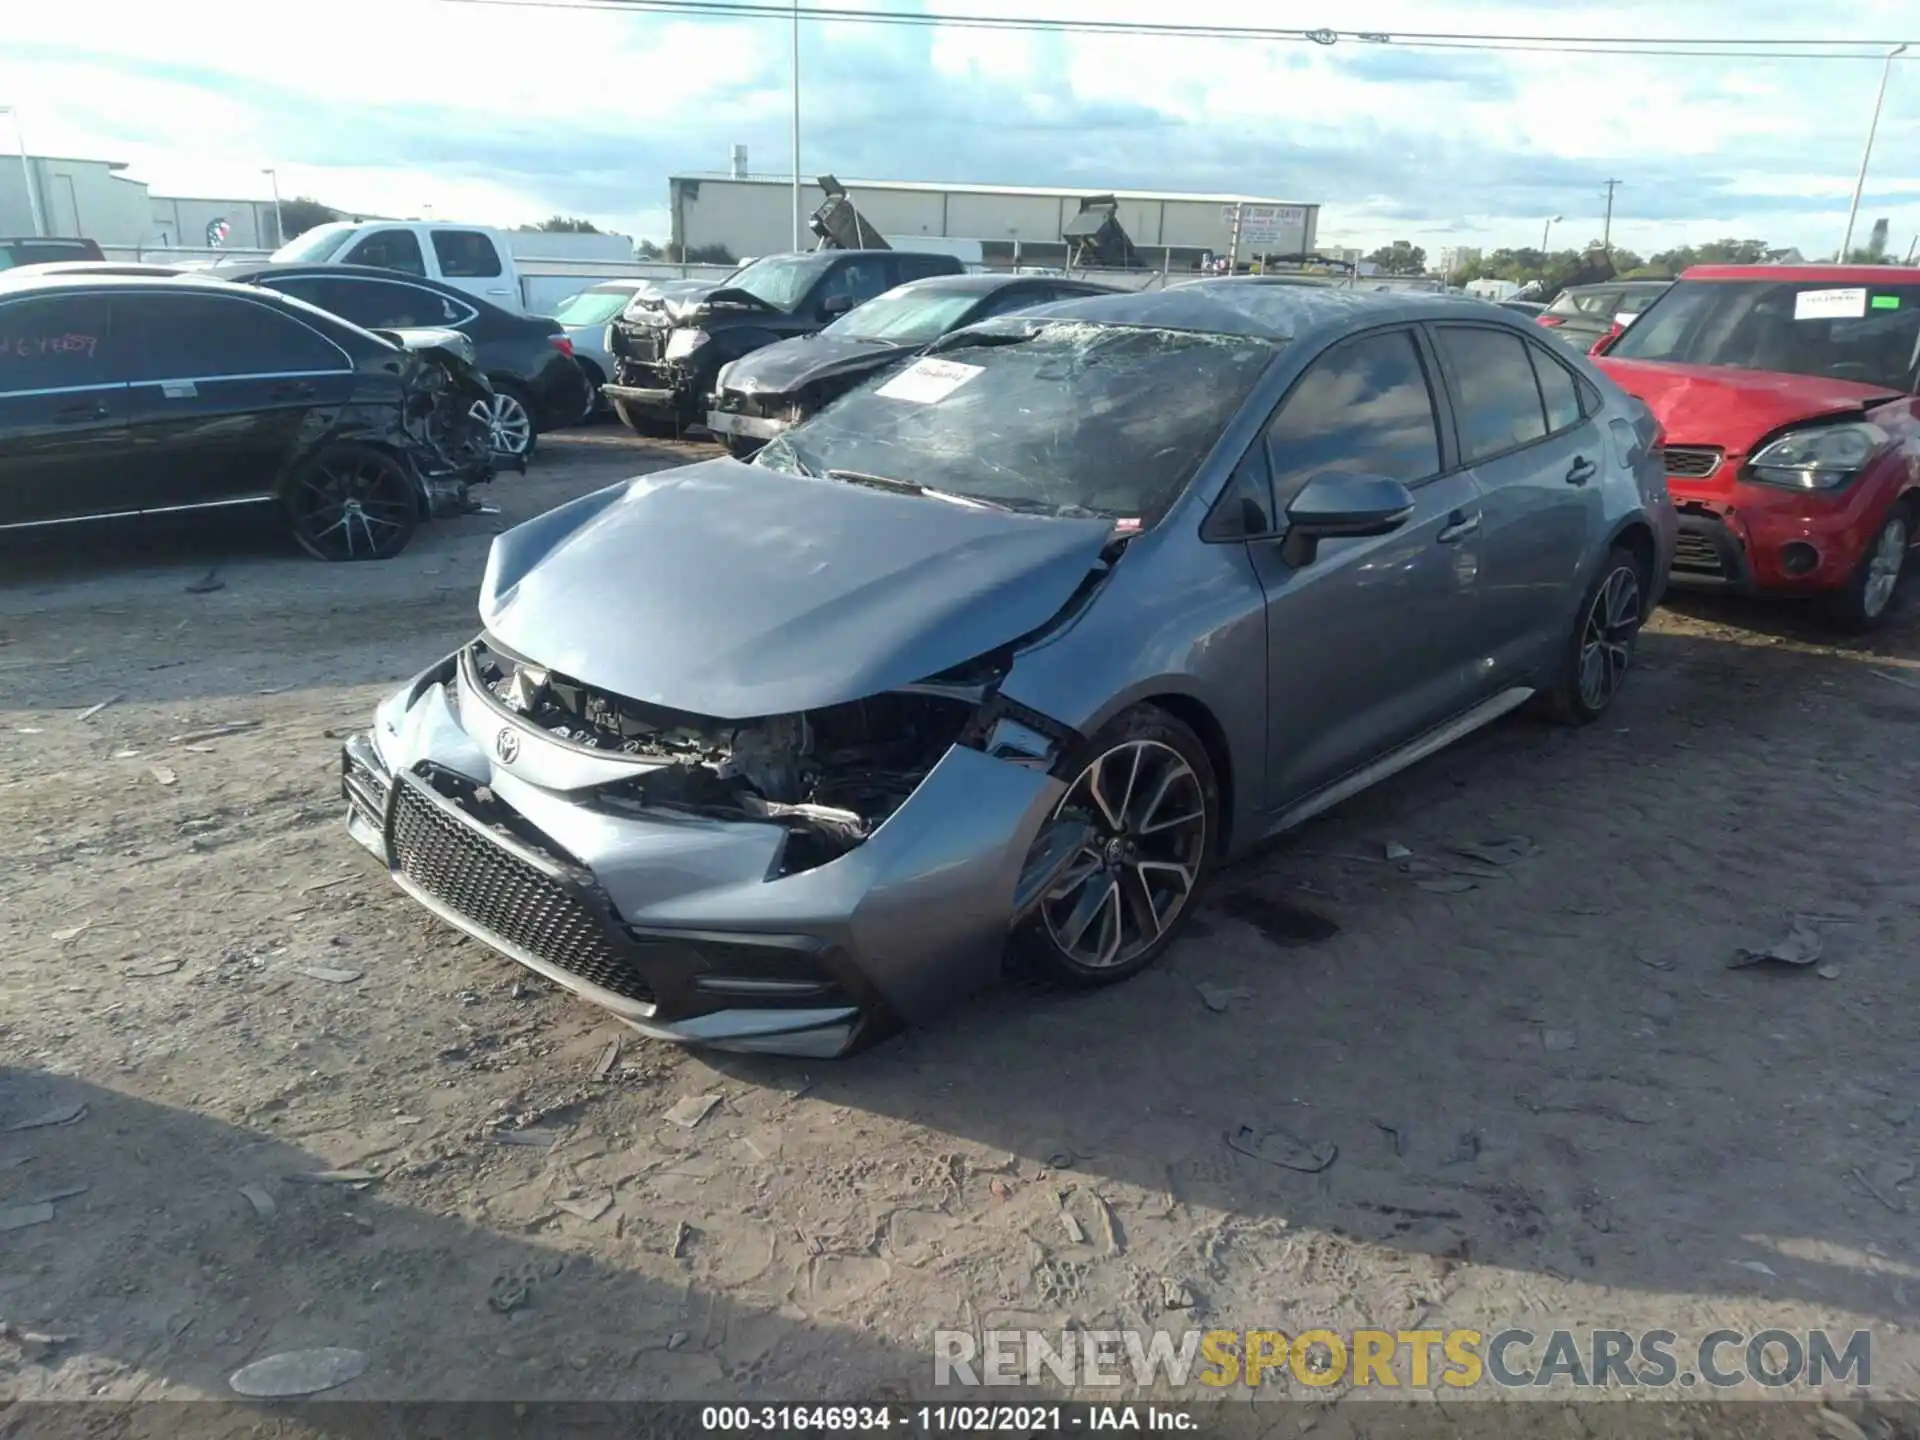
column 507, row 746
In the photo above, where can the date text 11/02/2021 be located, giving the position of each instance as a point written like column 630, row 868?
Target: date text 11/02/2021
column 935, row 1419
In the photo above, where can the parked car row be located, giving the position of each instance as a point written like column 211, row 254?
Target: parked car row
column 125, row 395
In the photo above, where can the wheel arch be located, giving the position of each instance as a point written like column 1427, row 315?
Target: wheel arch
column 1198, row 717
column 1635, row 535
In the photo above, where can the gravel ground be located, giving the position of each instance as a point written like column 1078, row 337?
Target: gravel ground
column 1552, row 1102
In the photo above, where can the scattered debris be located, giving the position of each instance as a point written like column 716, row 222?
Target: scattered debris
column 590, row 1208
column 163, row 774
column 1828, row 972
column 1466, row 1149
column 1799, row 946
column 261, row 1201
column 1278, row 1147
column 1218, row 998
column 359, row 1179
column 65, row 1114
column 1000, row 1189
column 1396, row 851
column 207, row 584
column 328, row 974
column 150, row 969
column 1176, row 1294
column 1756, row 1266
column 533, row 1137
column 1835, row 1426
column 692, row 1110
column 1076, row 1232
column 1885, row 1183
column 325, row 884
column 71, row 932
column 609, row 1058
column 683, row 1232
column 1907, row 681
column 28, row 730
column 32, row 1345
column 1394, row 1137
column 1557, row 1041
column 93, row 710
column 1508, row 850
column 1447, row 885
column 18, row 1217
column 677, row 1339
column 1110, row 1226
column 1653, row 962
column 213, row 732
column 298, row 1372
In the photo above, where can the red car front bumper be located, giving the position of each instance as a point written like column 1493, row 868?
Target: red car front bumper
column 1764, row 537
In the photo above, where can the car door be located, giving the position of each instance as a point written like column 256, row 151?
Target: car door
column 1372, row 641
column 63, row 410
column 469, row 260
column 388, row 249
column 1522, row 428
column 376, row 304
column 222, row 387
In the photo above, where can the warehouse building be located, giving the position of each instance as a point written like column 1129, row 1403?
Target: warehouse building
column 95, row 198
column 753, row 215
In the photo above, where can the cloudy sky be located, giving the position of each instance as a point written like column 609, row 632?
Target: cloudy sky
column 496, row 114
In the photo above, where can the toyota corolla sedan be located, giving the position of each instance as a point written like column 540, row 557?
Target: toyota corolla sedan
column 1004, row 651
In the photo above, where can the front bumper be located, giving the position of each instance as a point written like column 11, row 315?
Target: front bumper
column 652, row 402
column 681, row 926
column 749, row 427
column 1750, row 537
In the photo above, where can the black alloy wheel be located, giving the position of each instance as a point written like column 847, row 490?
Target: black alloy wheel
column 353, row 502
column 1600, row 650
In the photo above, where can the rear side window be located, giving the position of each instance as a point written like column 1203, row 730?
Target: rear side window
column 389, row 250
column 1363, row 407
column 206, row 337
column 466, row 254
column 860, row 280
column 56, row 343
column 1558, row 389
column 1498, row 401
column 376, row 304
column 918, row 267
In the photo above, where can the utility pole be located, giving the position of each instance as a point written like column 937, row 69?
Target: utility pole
column 26, row 170
column 1866, row 155
column 796, row 124
column 1606, row 228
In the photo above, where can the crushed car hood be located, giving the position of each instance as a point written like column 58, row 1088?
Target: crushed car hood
column 684, row 301
column 1734, row 409
column 789, row 365
column 734, row 591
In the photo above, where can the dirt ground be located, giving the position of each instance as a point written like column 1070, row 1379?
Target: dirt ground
column 1552, row 1102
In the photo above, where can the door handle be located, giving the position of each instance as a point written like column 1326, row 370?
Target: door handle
column 1582, row 471
column 80, row 414
column 1459, row 525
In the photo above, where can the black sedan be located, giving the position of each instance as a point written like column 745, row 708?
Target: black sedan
column 536, row 384
column 130, row 396
column 759, row 395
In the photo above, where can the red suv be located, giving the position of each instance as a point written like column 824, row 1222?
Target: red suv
column 1787, row 398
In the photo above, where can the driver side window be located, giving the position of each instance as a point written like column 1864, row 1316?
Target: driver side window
column 1363, row 407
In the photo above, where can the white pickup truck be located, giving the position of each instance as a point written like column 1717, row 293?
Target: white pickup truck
column 527, row 270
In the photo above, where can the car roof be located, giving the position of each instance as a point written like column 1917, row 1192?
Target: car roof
column 31, row 278
column 1801, row 274
column 294, row 267
column 1617, row 285
column 986, row 283
column 1275, row 312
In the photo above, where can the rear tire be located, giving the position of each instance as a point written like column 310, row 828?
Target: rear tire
column 1148, row 791
column 352, row 502
column 1874, row 589
column 1599, row 651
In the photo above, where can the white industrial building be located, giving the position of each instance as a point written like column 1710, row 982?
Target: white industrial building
column 95, row 199
column 753, row 215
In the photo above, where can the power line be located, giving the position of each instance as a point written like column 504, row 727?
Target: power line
column 1732, row 47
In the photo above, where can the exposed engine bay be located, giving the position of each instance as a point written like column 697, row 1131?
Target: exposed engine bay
column 447, row 440
column 830, row 777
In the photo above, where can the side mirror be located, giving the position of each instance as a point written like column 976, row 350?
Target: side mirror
column 1336, row 505
column 835, row 305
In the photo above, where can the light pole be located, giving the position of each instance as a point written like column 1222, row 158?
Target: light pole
column 26, row 170
column 279, row 235
column 1547, row 229
column 796, row 124
column 1886, row 71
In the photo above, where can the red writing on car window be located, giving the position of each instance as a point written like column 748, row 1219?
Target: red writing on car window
column 33, row 347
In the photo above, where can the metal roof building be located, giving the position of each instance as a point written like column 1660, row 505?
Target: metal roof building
column 753, row 215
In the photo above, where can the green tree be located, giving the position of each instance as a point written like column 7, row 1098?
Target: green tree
column 565, row 225
column 301, row 214
column 647, row 250
column 1400, row 258
column 698, row 255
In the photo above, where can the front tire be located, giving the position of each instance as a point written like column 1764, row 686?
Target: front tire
column 1151, row 802
column 508, row 416
column 1869, row 595
column 1600, row 649
column 353, row 502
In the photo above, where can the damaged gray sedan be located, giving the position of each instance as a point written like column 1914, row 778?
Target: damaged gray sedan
column 1006, row 652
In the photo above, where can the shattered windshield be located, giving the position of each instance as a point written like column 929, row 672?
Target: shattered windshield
column 1869, row 334
column 1059, row 417
column 591, row 307
column 779, row 280
column 904, row 317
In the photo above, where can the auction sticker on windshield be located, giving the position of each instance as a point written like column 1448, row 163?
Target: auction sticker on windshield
column 926, row 381
column 1830, row 304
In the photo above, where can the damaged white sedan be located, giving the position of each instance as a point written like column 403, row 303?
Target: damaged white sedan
column 1015, row 645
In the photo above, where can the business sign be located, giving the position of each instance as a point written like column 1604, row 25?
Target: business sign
column 1262, row 225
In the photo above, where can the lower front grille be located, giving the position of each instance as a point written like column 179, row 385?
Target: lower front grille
column 1697, row 555
column 1692, row 462
column 505, row 896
